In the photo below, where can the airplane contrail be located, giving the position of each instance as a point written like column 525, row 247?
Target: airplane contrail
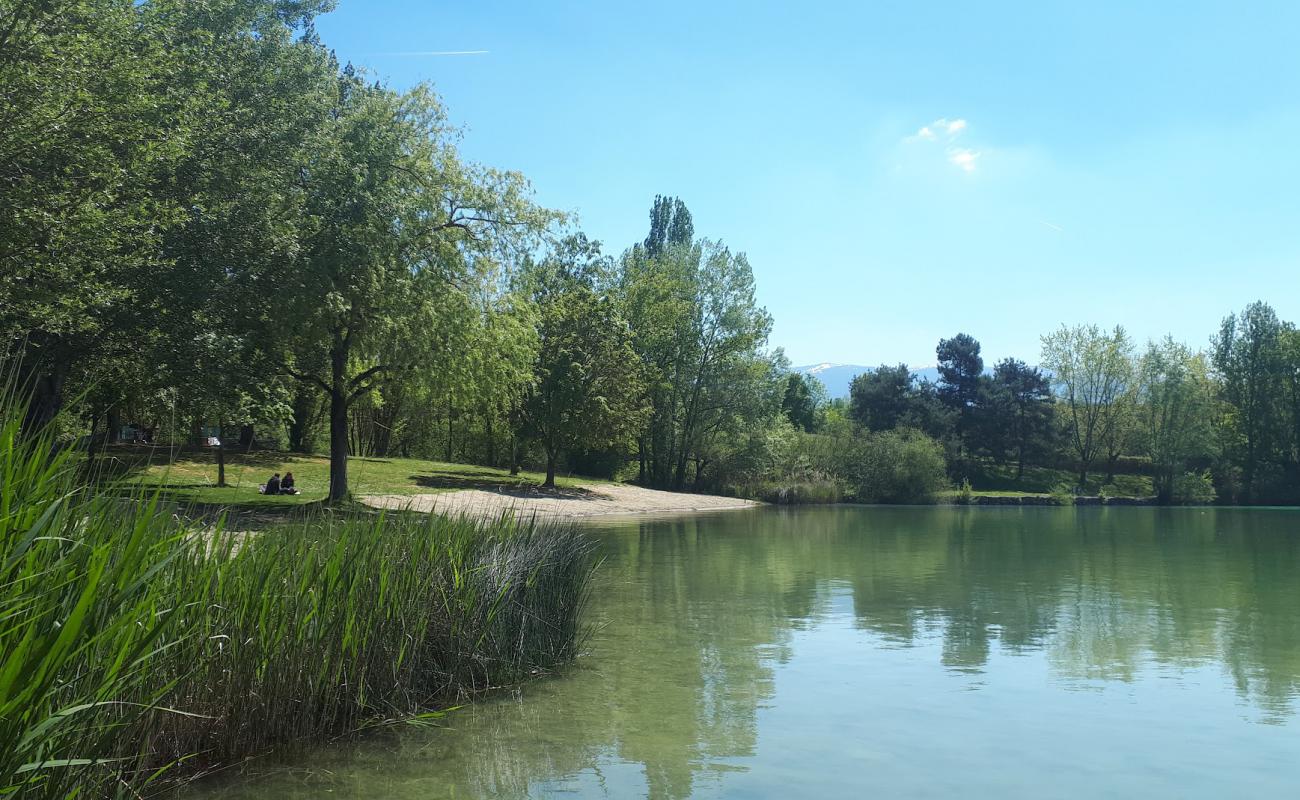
column 1056, row 228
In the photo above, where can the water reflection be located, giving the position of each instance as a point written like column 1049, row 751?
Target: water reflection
column 827, row 649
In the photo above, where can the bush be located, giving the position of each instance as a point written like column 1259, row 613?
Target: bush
column 899, row 466
column 1194, row 489
column 791, row 493
column 965, row 495
column 1062, row 494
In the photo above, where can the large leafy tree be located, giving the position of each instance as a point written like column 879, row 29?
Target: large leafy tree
column 108, row 111
column 1093, row 371
column 586, row 393
column 392, row 221
column 106, row 108
column 701, row 337
column 1247, row 356
column 1174, row 410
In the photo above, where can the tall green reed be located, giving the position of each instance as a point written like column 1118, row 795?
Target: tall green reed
column 136, row 647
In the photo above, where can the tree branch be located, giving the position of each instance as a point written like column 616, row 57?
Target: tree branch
column 306, row 378
column 368, row 374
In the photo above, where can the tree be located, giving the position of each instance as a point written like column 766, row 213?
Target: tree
column 800, row 401
column 587, row 391
column 392, row 222
column 1174, row 410
column 1092, row 371
column 106, row 107
column 1247, row 357
column 700, row 335
column 961, row 375
column 1017, row 413
column 879, row 399
column 670, row 226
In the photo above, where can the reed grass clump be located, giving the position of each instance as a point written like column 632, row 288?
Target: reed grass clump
column 137, row 647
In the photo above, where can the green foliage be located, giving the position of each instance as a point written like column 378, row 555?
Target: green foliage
column 800, row 402
column 879, row 400
column 1193, row 488
column 961, row 382
column 965, row 494
column 588, row 388
column 701, row 338
column 1093, row 372
column 902, row 466
column 1015, row 420
column 1062, row 494
column 1251, row 361
column 1175, row 411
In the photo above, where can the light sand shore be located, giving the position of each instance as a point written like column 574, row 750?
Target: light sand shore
column 592, row 500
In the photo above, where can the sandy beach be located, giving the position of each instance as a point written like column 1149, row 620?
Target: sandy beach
column 592, row 500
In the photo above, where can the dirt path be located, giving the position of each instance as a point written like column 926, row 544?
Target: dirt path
column 593, row 500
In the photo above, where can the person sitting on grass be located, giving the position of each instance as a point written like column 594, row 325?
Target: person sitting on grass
column 286, row 485
column 273, row 485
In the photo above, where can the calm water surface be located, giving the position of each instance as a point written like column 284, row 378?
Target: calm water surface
column 847, row 652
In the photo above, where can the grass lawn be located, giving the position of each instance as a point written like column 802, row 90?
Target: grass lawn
column 193, row 477
column 999, row 480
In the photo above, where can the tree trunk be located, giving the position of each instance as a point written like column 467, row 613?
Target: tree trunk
column 221, row 455
column 514, row 454
column 550, row 468
column 449, row 431
column 491, row 442
column 338, row 422
column 114, row 425
column 46, row 399
column 246, row 437
column 300, row 426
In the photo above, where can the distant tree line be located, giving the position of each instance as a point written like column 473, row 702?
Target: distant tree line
column 1220, row 423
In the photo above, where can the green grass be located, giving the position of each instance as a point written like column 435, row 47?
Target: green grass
column 1000, row 480
column 135, row 645
column 193, row 477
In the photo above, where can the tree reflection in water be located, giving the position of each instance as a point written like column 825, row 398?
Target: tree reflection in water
column 695, row 621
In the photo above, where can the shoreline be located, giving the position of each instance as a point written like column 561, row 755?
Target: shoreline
column 587, row 501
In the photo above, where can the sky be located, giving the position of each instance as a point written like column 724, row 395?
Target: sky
column 898, row 172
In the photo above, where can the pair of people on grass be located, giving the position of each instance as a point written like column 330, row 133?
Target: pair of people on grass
column 278, row 485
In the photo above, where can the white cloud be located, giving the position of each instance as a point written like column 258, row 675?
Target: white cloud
column 944, row 131
column 963, row 158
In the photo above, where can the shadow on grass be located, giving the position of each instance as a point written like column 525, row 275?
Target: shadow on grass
column 500, row 484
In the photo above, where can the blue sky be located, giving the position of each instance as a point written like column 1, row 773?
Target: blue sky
column 899, row 171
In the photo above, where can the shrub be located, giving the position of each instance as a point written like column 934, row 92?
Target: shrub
column 1062, row 494
column 965, row 495
column 800, row 492
column 1194, row 488
column 899, row 466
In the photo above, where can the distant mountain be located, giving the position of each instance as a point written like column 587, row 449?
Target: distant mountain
column 837, row 377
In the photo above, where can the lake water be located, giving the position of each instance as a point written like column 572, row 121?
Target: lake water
column 890, row 652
